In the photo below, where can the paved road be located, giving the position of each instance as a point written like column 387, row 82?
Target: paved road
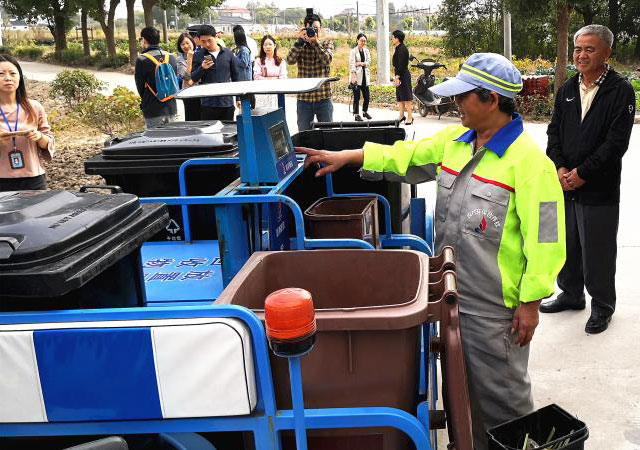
column 595, row 377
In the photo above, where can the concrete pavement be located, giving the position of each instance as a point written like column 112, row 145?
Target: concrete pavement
column 595, row 377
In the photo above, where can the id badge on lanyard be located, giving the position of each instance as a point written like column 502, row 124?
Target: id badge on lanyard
column 16, row 159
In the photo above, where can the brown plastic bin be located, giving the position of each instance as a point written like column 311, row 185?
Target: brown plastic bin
column 344, row 217
column 369, row 307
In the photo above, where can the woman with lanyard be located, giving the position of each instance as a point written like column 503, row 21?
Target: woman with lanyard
column 25, row 135
column 359, row 62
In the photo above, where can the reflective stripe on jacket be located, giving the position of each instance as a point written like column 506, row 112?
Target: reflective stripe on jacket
column 502, row 209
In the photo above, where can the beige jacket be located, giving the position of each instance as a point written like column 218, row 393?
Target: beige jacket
column 355, row 57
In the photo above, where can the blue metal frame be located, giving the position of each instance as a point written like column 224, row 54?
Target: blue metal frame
column 265, row 422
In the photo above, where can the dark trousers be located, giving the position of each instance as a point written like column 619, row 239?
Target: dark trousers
column 207, row 113
column 591, row 254
column 23, row 184
column 191, row 109
column 356, row 99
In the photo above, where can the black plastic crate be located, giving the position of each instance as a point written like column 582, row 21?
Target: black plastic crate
column 550, row 427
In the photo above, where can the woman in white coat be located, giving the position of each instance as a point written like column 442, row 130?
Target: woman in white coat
column 359, row 62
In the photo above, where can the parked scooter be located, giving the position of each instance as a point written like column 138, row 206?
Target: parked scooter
column 425, row 98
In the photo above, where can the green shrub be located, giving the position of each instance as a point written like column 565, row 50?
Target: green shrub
column 28, row 52
column 73, row 55
column 112, row 114
column 99, row 45
column 75, row 86
column 535, row 107
column 102, row 61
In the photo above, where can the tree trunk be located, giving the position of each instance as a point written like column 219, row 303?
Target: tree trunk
column 107, row 23
column 614, row 18
column 85, row 33
column 111, row 25
column 60, row 34
column 564, row 12
column 131, row 31
column 147, row 6
column 636, row 51
column 165, row 35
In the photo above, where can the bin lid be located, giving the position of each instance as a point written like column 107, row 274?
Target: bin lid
column 38, row 227
column 174, row 140
column 282, row 86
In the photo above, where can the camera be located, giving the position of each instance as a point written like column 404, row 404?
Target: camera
column 308, row 22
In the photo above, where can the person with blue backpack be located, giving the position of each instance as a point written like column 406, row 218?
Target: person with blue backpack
column 156, row 80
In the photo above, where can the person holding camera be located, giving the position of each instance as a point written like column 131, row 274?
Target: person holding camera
column 215, row 64
column 313, row 58
column 359, row 62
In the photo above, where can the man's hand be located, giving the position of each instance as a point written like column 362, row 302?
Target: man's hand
column 562, row 176
column 332, row 161
column 313, row 40
column 303, row 35
column 525, row 321
column 207, row 64
column 574, row 180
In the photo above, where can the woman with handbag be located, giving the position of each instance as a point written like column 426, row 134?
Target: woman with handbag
column 402, row 78
column 359, row 62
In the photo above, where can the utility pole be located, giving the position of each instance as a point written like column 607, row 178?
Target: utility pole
column 175, row 16
column 358, row 16
column 507, row 34
column 382, row 46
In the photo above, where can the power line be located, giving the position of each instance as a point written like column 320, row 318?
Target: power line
column 410, row 11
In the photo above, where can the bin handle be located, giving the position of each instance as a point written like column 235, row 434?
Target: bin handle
column 11, row 246
column 114, row 189
column 450, row 287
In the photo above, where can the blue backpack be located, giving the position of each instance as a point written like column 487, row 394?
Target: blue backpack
column 166, row 78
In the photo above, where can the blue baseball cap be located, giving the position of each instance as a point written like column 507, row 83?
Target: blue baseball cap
column 483, row 70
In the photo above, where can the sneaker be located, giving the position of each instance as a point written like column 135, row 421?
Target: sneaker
column 358, row 118
column 366, row 115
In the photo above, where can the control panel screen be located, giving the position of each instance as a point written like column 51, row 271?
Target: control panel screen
column 279, row 140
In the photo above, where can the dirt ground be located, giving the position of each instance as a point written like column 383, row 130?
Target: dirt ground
column 74, row 143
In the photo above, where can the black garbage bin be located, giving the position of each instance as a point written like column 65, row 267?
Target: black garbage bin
column 146, row 163
column 550, row 427
column 307, row 188
column 70, row 250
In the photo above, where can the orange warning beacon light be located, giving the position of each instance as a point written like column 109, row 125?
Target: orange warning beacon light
column 290, row 322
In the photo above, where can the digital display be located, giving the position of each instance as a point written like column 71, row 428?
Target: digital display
column 279, row 140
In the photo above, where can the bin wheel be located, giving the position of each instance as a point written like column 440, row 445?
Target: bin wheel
column 423, row 110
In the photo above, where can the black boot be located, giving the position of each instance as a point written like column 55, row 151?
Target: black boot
column 366, row 115
column 358, row 118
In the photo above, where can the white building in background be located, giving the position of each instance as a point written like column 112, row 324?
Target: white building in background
column 18, row 25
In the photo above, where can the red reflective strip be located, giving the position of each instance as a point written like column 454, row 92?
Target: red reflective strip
column 495, row 183
column 479, row 178
column 446, row 169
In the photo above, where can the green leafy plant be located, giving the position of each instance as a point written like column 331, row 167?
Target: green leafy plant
column 535, row 107
column 28, row 52
column 75, row 86
column 112, row 114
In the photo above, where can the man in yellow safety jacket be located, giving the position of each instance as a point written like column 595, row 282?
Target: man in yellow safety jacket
column 500, row 205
